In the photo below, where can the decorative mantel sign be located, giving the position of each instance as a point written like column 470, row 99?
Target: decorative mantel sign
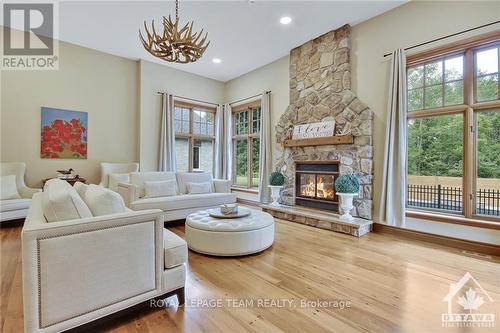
column 314, row 130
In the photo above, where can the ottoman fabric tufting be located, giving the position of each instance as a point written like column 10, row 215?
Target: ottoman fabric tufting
column 229, row 237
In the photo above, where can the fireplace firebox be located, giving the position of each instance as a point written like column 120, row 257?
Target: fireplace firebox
column 315, row 184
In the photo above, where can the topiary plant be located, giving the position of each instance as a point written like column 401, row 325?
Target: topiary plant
column 276, row 179
column 347, row 183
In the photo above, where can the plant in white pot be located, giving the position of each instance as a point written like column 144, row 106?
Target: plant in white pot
column 276, row 181
column 347, row 187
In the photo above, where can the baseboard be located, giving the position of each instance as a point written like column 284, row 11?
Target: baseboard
column 455, row 243
column 248, row 202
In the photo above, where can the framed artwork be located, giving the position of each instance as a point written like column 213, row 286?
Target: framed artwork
column 64, row 134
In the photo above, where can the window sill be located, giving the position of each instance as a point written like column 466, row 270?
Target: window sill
column 243, row 189
column 453, row 219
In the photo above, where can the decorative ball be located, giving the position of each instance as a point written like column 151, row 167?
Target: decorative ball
column 347, row 183
column 276, row 179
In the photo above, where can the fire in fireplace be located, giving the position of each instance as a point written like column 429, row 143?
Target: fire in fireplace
column 314, row 184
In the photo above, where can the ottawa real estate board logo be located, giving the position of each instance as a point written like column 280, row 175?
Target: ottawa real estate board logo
column 467, row 302
column 29, row 36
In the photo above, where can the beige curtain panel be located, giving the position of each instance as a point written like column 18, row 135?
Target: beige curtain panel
column 266, row 162
column 393, row 197
column 166, row 160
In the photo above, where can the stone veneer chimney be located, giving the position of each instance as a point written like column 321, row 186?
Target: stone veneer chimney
column 320, row 89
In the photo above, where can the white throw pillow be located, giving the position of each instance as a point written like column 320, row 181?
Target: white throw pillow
column 115, row 178
column 163, row 188
column 8, row 188
column 61, row 202
column 103, row 201
column 192, row 177
column 199, row 188
column 80, row 188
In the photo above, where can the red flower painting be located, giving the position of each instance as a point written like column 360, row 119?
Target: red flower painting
column 64, row 134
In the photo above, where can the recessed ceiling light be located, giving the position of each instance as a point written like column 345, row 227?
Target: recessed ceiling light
column 285, row 20
column 216, row 60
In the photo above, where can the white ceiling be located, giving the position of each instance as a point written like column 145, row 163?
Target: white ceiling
column 245, row 35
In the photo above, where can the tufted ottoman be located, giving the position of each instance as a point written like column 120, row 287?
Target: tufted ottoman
column 229, row 237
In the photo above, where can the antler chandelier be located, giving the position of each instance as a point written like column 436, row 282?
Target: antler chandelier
column 174, row 45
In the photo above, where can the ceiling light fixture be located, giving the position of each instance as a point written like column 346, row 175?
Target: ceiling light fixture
column 174, row 45
column 285, row 20
column 216, row 60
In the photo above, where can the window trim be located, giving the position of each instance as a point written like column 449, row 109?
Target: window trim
column 190, row 135
column 249, row 137
column 469, row 109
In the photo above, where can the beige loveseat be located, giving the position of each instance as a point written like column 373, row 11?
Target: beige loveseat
column 76, row 271
column 182, row 203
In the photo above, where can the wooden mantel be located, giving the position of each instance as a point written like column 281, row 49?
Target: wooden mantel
column 329, row 140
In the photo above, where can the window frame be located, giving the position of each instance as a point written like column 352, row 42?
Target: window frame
column 249, row 137
column 190, row 136
column 469, row 110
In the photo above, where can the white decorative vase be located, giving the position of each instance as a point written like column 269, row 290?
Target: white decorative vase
column 346, row 205
column 275, row 194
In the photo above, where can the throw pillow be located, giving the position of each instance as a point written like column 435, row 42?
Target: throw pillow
column 103, row 201
column 199, row 188
column 61, row 202
column 115, row 178
column 163, row 188
column 81, row 188
column 8, row 188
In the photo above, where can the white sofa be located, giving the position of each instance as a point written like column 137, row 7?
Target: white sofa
column 77, row 271
column 182, row 204
column 115, row 168
column 12, row 209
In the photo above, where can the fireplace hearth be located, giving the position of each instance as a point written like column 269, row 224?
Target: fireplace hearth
column 315, row 184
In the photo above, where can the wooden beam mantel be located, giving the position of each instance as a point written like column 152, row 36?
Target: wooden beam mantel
column 330, row 140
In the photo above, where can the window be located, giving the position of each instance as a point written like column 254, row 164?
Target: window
column 436, row 84
column 246, row 145
column 194, row 137
column 486, row 74
column 453, row 136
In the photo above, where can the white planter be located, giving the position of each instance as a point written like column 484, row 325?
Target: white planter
column 275, row 194
column 346, row 205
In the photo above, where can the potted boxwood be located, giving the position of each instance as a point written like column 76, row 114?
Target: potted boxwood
column 276, row 181
column 347, row 187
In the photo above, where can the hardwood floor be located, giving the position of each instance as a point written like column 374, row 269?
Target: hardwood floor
column 394, row 284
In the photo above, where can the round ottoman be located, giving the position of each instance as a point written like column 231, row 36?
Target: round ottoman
column 229, row 237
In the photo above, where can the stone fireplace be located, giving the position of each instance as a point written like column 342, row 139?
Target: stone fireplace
column 314, row 184
column 320, row 90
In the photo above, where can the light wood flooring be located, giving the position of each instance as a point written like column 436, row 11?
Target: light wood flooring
column 394, row 284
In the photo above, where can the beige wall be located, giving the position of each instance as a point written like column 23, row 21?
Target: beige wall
column 403, row 26
column 103, row 85
column 154, row 77
column 274, row 77
column 410, row 24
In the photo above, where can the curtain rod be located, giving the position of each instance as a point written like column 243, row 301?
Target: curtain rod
column 444, row 37
column 244, row 99
column 187, row 98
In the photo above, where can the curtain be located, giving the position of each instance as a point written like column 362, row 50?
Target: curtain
column 393, row 198
column 219, row 143
column 227, row 144
column 265, row 156
column 167, row 135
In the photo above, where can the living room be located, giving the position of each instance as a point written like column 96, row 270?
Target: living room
column 283, row 173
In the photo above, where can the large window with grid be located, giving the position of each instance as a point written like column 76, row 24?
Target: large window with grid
column 194, row 137
column 246, row 145
column 453, row 137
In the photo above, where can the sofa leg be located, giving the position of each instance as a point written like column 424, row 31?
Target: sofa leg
column 181, row 297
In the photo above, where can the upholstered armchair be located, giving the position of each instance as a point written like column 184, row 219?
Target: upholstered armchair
column 16, row 208
column 116, row 168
